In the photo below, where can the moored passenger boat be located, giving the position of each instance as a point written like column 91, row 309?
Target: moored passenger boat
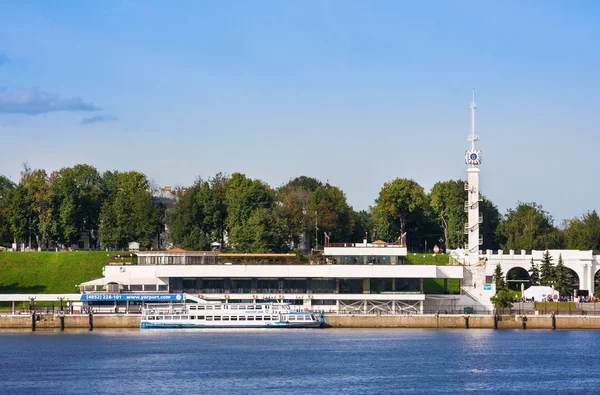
column 228, row 315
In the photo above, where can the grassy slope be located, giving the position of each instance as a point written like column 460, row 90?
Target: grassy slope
column 426, row 259
column 60, row 272
column 436, row 285
column 48, row 272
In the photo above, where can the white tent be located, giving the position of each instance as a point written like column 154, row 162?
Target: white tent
column 540, row 293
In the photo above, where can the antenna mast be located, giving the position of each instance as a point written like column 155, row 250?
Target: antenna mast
column 473, row 137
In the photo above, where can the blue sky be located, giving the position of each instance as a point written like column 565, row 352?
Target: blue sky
column 356, row 93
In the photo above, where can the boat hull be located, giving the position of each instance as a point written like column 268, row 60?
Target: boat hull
column 150, row 324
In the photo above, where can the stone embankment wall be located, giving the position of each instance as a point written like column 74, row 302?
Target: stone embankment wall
column 49, row 321
column 70, row 321
column 460, row 321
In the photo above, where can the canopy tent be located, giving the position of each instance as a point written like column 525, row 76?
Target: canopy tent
column 540, row 293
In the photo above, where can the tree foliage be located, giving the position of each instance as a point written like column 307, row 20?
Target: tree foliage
column 499, row 278
column 330, row 212
column 547, row 276
column 562, row 278
column 401, row 206
column 199, row 217
column 491, row 221
column 534, row 274
column 247, row 215
column 130, row 214
column 447, row 203
column 528, row 227
column 503, row 298
column 294, row 211
column 7, row 188
column 584, row 233
column 249, row 202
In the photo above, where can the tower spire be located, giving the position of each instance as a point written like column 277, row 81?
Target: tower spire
column 473, row 136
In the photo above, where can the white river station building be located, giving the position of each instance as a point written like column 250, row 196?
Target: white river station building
column 354, row 278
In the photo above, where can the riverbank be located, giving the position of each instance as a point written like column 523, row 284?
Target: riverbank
column 441, row 321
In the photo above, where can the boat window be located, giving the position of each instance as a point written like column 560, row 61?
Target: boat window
column 168, row 317
column 242, row 318
column 234, row 318
column 184, row 317
column 217, row 318
column 193, row 317
column 201, row 307
column 259, row 318
column 218, row 307
column 176, row 317
column 274, row 318
column 200, row 317
column 225, row 318
column 250, row 318
column 209, row 318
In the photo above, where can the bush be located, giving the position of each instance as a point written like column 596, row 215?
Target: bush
column 503, row 298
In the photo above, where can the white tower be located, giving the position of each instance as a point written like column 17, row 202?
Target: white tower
column 473, row 160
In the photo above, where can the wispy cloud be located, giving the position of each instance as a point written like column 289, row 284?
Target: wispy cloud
column 4, row 59
column 35, row 101
column 98, row 118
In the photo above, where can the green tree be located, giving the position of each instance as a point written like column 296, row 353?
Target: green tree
column 130, row 213
column 547, row 276
column 499, row 278
column 489, row 227
column 447, row 200
column 562, row 278
column 307, row 183
column 198, row 218
column 534, row 274
column 401, row 206
column 584, row 233
column 30, row 206
column 265, row 232
column 76, row 199
column 528, row 227
column 243, row 196
column 597, row 287
column 503, row 298
column 7, row 188
column 294, row 209
column 363, row 225
column 328, row 209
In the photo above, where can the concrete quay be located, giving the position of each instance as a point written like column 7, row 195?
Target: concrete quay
column 441, row 321
column 464, row 321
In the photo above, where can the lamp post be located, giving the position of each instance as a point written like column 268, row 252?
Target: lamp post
column 316, row 232
column 305, row 240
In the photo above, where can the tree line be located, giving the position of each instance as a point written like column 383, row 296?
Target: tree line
column 247, row 215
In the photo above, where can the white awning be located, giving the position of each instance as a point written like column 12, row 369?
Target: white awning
column 124, row 281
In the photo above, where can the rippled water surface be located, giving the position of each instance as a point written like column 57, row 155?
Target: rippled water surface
column 300, row 361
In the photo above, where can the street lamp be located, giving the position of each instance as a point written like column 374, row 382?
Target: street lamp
column 316, row 232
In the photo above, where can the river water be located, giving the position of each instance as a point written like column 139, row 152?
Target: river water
column 300, row 361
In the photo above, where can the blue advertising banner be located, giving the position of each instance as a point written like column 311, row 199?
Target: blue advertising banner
column 487, row 287
column 134, row 297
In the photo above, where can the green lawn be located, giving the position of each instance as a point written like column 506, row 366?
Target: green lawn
column 426, row 259
column 436, row 285
column 49, row 272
